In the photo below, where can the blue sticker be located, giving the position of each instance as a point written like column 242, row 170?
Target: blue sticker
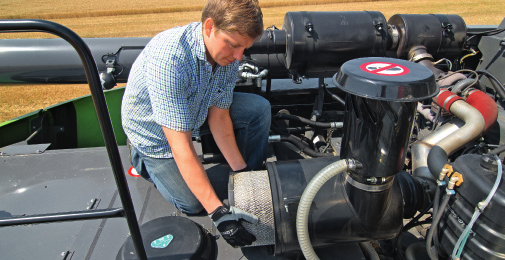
column 162, row 242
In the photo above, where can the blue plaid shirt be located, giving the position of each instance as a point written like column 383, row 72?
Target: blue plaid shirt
column 171, row 84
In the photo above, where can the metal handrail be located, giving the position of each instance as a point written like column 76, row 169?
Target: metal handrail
column 102, row 112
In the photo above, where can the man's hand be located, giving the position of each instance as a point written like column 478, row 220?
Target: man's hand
column 227, row 221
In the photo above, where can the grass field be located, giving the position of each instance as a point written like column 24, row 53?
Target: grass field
column 125, row 18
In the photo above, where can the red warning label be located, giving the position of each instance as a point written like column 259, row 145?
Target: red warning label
column 384, row 68
column 132, row 172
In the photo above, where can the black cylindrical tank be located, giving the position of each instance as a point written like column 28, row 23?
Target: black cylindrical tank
column 272, row 41
column 319, row 42
column 442, row 34
column 380, row 108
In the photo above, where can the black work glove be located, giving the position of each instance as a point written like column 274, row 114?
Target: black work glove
column 227, row 221
column 246, row 169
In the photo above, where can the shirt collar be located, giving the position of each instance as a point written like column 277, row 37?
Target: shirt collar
column 200, row 45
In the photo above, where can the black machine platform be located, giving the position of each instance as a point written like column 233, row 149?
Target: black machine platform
column 75, row 180
column 79, row 180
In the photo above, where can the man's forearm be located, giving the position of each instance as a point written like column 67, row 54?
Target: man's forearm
column 192, row 169
column 221, row 127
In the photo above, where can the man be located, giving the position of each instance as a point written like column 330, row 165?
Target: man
column 181, row 86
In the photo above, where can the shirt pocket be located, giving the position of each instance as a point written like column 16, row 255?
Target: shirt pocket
column 221, row 97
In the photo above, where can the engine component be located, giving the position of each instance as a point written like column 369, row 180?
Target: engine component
column 473, row 128
column 332, row 216
column 442, row 34
column 381, row 110
column 488, row 45
column 364, row 204
column 272, row 41
column 319, row 42
column 486, row 239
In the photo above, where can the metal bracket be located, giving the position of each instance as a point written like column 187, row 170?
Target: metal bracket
column 22, row 149
column 309, row 27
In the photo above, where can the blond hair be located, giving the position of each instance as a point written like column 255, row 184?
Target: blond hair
column 242, row 16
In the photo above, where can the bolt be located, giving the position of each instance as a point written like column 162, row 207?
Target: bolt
column 488, row 162
column 372, row 180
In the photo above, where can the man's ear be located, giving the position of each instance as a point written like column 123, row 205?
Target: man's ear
column 208, row 25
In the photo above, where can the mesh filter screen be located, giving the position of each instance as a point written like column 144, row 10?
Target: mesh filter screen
column 251, row 192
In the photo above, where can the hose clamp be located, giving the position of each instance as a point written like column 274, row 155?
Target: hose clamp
column 421, row 56
column 336, row 124
column 368, row 187
column 274, row 139
column 394, row 36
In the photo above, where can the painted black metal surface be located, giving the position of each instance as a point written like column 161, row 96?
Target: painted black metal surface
column 78, row 179
column 73, row 180
column 101, row 109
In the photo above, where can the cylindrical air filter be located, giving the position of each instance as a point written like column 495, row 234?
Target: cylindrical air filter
column 380, row 110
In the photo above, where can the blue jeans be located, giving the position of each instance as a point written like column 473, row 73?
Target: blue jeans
column 250, row 115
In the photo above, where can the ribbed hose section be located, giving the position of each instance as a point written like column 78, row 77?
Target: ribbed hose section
column 302, row 215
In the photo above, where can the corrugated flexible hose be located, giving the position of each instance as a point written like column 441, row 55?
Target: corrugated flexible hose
column 302, row 215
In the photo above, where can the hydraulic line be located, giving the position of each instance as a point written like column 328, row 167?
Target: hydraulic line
column 436, row 208
column 498, row 150
column 369, row 251
column 333, row 96
column 412, row 249
column 310, row 122
column 302, row 215
column 436, row 219
column 412, row 223
column 497, row 85
column 462, row 85
column 299, row 143
column 289, row 130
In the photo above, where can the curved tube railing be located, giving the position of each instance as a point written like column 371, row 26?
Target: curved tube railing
column 102, row 112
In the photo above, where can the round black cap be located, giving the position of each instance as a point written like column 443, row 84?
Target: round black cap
column 172, row 237
column 386, row 79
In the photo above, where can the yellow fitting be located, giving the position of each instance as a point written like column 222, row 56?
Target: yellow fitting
column 446, row 171
column 455, row 180
column 459, row 177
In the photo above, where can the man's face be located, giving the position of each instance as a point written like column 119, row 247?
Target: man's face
column 223, row 47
